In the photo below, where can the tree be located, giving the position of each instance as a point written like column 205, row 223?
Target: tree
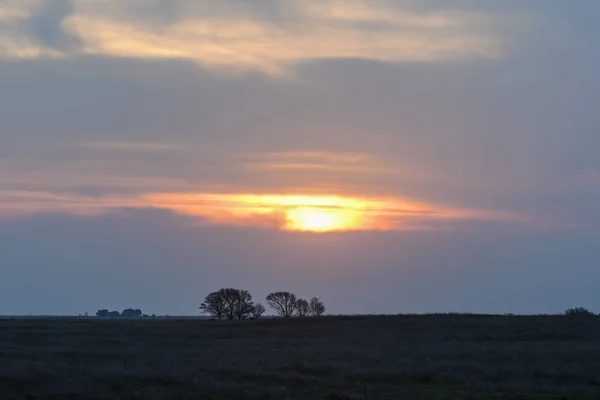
column 284, row 303
column 242, row 304
column 102, row 313
column 258, row 310
column 229, row 303
column 114, row 314
column 213, row 305
column 302, row 308
column 316, row 307
column 131, row 313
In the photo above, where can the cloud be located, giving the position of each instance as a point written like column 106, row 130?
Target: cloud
column 47, row 26
column 256, row 35
column 316, row 155
column 129, row 146
column 283, row 211
column 315, row 160
column 18, row 204
column 15, row 39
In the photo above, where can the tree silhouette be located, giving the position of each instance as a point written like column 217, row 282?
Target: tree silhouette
column 284, row 303
column 213, row 305
column 257, row 311
column 302, row 308
column 316, row 307
column 242, row 304
column 229, row 303
column 579, row 311
column 131, row 313
column 115, row 314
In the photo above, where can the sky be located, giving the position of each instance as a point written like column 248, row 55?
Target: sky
column 385, row 156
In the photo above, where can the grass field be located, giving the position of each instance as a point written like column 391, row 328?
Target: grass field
column 399, row 357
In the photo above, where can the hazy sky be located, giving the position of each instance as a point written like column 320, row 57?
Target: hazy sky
column 447, row 152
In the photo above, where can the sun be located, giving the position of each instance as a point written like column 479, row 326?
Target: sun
column 316, row 219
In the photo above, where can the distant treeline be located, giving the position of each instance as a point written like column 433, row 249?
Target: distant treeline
column 232, row 304
column 127, row 313
column 237, row 304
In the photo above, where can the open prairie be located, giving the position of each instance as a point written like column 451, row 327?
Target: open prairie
column 391, row 357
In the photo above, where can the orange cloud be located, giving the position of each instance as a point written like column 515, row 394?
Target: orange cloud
column 313, row 155
column 327, row 161
column 320, row 213
column 15, row 204
column 315, row 213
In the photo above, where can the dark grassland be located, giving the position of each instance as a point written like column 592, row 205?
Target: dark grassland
column 399, row 357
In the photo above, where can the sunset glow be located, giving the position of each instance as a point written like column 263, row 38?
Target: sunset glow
column 301, row 213
column 322, row 220
column 308, row 213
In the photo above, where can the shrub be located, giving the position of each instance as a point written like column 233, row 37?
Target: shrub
column 579, row 311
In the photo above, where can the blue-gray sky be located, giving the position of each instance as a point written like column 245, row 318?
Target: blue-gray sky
column 153, row 151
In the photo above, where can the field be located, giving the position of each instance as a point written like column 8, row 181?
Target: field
column 396, row 357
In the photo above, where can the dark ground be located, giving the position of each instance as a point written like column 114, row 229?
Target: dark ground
column 401, row 357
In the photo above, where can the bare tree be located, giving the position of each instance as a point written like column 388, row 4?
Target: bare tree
column 229, row 296
column 258, row 310
column 228, row 303
column 213, row 305
column 316, row 307
column 243, row 304
column 284, row 303
column 302, row 308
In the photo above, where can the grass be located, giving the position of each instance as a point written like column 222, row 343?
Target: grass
column 380, row 357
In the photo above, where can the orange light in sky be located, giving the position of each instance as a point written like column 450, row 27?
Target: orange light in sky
column 309, row 213
column 322, row 220
column 305, row 213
